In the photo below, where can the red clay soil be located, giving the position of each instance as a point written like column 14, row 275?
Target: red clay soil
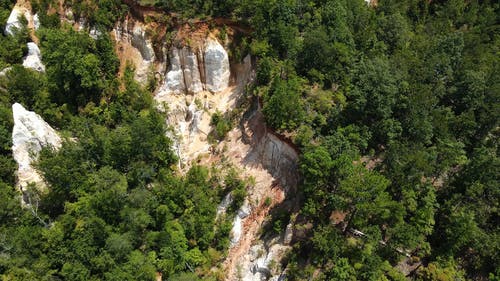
column 251, row 226
column 141, row 12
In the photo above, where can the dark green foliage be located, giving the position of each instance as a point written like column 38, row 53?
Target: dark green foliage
column 5, row 8
column 113, row 208
column 101, row 14
column 283, row 106
column 221, row 126
column 410, row 84
column 78, row 67
column 237, row 187
column 12, row 48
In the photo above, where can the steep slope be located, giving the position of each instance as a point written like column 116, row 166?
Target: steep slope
column 260, row 154
column 133, row 46
column 199, row 81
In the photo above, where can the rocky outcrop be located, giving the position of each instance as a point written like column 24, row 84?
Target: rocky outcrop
column 189, row 115
column 14, row 23
column 273, row 153
column 191, row 71
column 34, row 59
column 94, row 33
column 174, row 81
column 288, row 236
column 29, row 135
column 36, row 22
column 194, row 71
column 144, row 45
column 279, row 158
column 216, row 66
column 226, row 202
column 273, row 162
column 190, row 121
column 134, row 46
column 237, row 228
column 265, row 262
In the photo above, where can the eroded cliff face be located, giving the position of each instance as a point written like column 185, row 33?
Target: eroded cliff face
column 193, row 71
column 273, row 163
column 199, row 81
column 134, row 46
column 29, row 135
column 195, row 87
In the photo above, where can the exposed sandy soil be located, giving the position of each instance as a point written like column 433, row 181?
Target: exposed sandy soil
column 252, row 224
column 243, row 152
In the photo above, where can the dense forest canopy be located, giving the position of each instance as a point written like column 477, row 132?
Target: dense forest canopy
column 394, row 107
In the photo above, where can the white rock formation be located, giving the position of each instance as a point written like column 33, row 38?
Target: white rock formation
column 94, row 33
column 13, row 21
column 237, row 228
column 174, row 81
column 34, row 59
column 136, row 47
column 288, row 236
column 217, row 70
column 29, row 135
column 142, row 44
column 279, row 158
column 274, row 154
column 20, row 10
column 191, row 72
column 264, row 262
column 36, row 22
column 226, row 202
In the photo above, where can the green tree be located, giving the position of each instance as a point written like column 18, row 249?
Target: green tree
column 283, row 106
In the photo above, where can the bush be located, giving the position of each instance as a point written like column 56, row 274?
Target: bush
column 221, row 126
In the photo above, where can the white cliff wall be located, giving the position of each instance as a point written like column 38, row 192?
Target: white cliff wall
column 189, row 72
column 193, row 89
column 216, row 66
column 135, row 46
column 34, row 58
